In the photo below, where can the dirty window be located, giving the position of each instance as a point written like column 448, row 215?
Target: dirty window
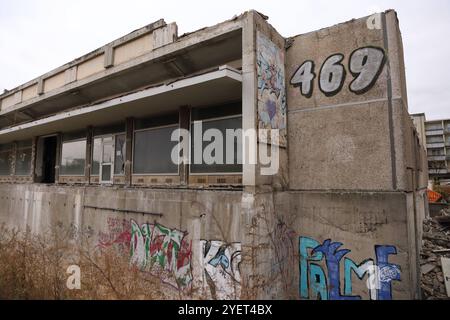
column 23, row 158
column 5, row 160
column 96, row 156
column 222, row 165
column 152, row 151
column 73, row 157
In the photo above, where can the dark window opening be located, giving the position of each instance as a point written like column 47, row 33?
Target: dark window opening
column 46, row 154
column 49, row 161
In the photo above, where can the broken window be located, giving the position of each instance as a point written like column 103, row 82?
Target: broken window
column 23, row 158
column 73, row 154
column 101, row 135
column 119, row 155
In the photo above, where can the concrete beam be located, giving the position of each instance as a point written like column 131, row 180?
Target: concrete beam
column 185, row 115
column 182, row 43
column 89, row 147
column 224, row 72
column 58, row 156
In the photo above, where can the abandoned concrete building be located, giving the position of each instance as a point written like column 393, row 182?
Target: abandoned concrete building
column 89, row 145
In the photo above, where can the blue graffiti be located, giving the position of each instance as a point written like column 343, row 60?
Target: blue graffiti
column 220, row 258
column 333, row 258
column 315, row 283
column 367, row 267
column 387, row 271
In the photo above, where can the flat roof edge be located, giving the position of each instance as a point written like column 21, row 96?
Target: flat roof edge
column 122, row 40
column 119, row 41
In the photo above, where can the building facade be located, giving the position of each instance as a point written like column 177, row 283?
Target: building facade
column 436, row 134
column 90, row 145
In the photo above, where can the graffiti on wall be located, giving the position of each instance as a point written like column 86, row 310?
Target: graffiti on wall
column 365, row 65
column 322, row 266
column 271, row 86
column 162, row 251
column 119, row 234
column 221, row 261
column 284, row 247
column 167, row 254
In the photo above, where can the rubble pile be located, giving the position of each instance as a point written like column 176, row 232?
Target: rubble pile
column 436, row 244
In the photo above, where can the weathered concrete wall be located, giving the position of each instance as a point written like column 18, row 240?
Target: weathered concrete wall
column 193, row 235
column 355, row 172
column 355, row 166
column 370, row 230
column 337, row 130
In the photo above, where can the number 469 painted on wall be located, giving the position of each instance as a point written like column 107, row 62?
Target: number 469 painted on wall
column 365, row 64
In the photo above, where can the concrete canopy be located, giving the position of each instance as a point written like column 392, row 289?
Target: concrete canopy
column 215, row 87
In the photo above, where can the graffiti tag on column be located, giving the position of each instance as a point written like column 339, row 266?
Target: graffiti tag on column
column 284, row 244
column 221, row 269
column 321, row 271
column 365, row 65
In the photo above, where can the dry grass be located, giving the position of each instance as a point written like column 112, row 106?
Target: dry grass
column 34, row 267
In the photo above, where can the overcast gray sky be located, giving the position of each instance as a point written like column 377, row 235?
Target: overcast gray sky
column 40, row 35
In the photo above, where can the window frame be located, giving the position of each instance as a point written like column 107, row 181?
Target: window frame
column 175, row 125
column 10, row 152
column 61, row 158
column 17, row 149
column 114, row 140
column 190, row 147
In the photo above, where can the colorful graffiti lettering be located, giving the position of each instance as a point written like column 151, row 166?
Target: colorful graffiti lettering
column 166, row 253
column 271, row 85
column 118, row 234
column 221, row 261
column 163, row 251
column 316, row 283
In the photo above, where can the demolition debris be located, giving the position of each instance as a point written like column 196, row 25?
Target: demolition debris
column 436, row 245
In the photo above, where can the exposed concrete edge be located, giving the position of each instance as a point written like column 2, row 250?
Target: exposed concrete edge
column 223, row 72
column 292, row 38
column 349, row 191
column 171, row 48
column 127, row 188
column 390, row 105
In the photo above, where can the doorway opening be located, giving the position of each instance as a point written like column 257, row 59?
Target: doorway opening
column 46, row 159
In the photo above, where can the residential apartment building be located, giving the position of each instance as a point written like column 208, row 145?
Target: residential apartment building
column 436, row 134
column 90, row 146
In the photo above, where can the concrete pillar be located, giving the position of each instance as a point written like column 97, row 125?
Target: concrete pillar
column 249, row 92
column 13, row 159
column 184, row 121
column 88, row 162
column 58, row 156
column 33, row 159
column 129, row 133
